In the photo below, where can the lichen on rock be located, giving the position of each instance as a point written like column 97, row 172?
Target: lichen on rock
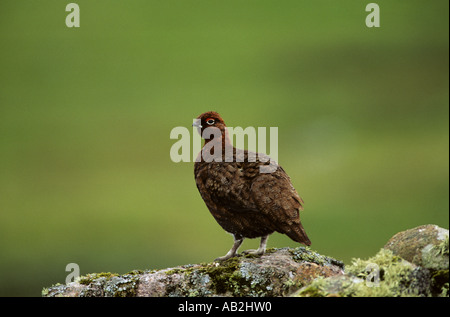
column 279, row 272
column 412, row 263
column 426, row 246
column 384, row 275
column 97, row 285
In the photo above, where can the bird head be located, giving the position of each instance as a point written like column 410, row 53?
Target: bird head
column 210, row 119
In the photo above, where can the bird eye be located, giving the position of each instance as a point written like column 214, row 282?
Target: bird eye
column 210, row 121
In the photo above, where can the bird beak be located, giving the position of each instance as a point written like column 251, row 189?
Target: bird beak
column 197, row 123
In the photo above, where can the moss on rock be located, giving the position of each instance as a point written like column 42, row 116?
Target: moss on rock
column 409, row 265
column 426, row 246
column 276, row 273
column 413, row 263
column 384, row 275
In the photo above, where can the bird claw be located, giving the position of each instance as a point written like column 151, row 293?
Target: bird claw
column 223, row 258
column 253, row 252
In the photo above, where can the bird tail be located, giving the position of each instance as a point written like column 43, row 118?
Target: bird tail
column 298, row 234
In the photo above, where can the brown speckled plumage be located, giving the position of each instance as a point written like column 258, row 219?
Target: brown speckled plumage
column 244, row 201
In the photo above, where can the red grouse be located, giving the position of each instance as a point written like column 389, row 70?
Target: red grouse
column 245, row 201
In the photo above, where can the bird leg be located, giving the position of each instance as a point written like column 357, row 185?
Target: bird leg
column 261, row 249
column 237, row 243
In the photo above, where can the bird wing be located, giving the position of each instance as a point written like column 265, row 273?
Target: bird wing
column 275, row 196
column 277, row 199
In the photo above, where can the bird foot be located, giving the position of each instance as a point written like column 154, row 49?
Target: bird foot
column 254, row 252
column 225, row 257
column 232, row 252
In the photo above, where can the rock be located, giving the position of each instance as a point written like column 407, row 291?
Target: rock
column 279, row 272
column 412, row 263
column 384, row 275
column 426, row 246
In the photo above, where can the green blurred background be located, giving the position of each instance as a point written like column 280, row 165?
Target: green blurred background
column 85, row 116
